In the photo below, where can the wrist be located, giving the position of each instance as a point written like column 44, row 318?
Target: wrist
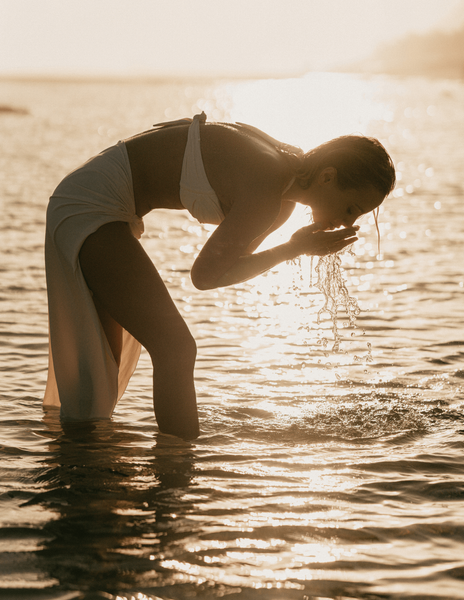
column 290, row 251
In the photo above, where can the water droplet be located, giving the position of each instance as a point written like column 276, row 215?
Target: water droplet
column 331, row 283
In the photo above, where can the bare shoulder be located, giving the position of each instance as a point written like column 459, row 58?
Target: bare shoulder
column 248, row 175
column 241, row 167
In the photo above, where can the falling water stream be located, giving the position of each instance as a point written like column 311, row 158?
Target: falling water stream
column 330, row 461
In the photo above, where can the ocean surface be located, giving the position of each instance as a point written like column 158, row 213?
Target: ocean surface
column 318, row 473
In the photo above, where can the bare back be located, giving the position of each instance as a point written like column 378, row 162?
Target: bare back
column 238, row 166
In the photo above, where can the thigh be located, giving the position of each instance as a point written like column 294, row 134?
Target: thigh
column 127, row 285
column 112, row 329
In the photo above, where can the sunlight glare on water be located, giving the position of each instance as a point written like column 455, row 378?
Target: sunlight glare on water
column 318, row 474
column 277, row 110
column 310, row 110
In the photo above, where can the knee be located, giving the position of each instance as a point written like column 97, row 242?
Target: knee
column 187, row 349
column 179, row 348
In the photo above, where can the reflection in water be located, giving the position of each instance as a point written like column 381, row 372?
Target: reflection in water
column 313, row 479
column 120, row 502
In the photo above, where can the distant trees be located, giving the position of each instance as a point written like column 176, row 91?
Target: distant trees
column 435, row 54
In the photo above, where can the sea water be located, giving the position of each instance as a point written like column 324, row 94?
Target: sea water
column 321, row 471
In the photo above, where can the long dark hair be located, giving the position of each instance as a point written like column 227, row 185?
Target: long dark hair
column 359, row 161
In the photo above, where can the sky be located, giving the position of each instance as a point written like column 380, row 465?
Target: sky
column 205, row 37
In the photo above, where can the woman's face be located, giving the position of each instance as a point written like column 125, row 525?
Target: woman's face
column 333, row 207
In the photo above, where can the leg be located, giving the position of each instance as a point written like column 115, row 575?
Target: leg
column 127, row 286
column 112, row 329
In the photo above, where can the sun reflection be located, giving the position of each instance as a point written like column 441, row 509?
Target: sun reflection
column 305, row 112
column 309, row 110
column 318, row 552
column 261, row 570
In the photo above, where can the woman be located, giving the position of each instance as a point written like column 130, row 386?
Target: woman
column 106, row 296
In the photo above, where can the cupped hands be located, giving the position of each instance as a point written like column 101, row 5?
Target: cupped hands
column 313, row 240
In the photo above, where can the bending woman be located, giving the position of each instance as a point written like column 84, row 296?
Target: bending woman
column 105, row 295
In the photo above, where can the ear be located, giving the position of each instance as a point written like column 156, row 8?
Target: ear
column 327, row 176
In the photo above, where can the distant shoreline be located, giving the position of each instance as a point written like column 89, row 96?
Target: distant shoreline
column 364, row 69
column 155, row 79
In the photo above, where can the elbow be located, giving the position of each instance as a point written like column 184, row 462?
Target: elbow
column 202, row 286
column 208, row 277
column 202, row 282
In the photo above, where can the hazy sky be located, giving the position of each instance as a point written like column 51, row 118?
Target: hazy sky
column 219, row 37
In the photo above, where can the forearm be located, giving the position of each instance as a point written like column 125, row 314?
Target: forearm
column 308, row 240
column 252, row 265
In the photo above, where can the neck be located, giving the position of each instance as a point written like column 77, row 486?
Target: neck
column 296, row 193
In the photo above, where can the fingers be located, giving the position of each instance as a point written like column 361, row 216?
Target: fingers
column 316, row 228
column 341, row 234
column 313, row 228
column 330, row 238
column 335, row 247
column 311, row 240
column 342, row 244
column 323, row 243
column 322, row 227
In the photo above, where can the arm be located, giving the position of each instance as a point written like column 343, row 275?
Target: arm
column 225, row 258
column 255, row 182
column 233, row 239
column 307, row 240
column 251, row 265
column 286, row 209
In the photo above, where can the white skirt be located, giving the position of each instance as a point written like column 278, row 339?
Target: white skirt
column 83, row 377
